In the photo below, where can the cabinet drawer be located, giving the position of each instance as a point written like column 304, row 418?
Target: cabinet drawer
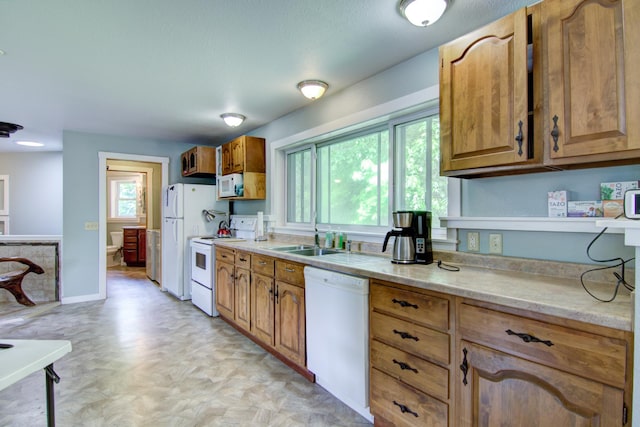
column 403, row 405
column 225, row 255
column 582, row 353
column 427, row 377
column 290, row 272
column 427, row 310
column 415, row 339
column 262, row 264
column 243, row 260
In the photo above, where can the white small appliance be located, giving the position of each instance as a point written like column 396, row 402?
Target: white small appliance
column 244, row 226
column 184, row 208
column 203, row 274
column 230, row 185
column 337, row 310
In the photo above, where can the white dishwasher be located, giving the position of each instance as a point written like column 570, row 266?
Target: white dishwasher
column 337, row 310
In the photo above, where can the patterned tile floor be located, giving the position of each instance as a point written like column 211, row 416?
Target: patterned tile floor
column 143, row 358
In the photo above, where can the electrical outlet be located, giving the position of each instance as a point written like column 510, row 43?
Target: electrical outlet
column 473, row 241
column 92, row 226
column 495, row 244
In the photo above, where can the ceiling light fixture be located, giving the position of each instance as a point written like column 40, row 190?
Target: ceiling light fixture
column 30, row 143
column 233, row 119
column 422, row 12
column 312, row 89
column 7, row 129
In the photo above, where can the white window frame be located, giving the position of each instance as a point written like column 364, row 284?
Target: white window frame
column 4, row 202
column 123, row 177
column 444, row 239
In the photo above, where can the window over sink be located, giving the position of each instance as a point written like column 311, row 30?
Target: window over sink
column 354, row 179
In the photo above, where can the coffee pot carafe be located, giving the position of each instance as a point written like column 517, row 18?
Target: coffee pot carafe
column 404, row 250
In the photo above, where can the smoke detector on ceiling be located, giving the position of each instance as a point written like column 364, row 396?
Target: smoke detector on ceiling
column 6, row 129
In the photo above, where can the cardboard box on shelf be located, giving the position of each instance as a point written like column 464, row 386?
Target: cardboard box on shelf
column 557, row 202
column 616, row 190
column 587, row 208
column 613, row 208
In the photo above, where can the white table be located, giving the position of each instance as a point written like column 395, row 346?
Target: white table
column 27, row 357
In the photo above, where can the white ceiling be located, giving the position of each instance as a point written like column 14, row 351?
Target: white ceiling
column 168, row 69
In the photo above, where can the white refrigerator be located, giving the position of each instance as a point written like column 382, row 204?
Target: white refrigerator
column 182, row 219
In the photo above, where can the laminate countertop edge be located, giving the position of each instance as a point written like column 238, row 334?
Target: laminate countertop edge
column 555, row 296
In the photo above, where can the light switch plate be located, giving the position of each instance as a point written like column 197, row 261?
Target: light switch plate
column 92, row 226
column 473, row 241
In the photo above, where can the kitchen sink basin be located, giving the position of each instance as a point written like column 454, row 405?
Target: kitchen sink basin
column 314, row 251
column 291, row 248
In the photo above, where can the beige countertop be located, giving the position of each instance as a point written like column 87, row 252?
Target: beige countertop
column 557, row 296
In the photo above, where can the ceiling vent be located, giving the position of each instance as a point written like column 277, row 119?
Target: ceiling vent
column 7, row 129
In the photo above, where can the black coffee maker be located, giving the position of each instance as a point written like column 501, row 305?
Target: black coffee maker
column 421, row 225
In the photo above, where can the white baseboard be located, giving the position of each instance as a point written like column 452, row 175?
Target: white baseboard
column 81, row 298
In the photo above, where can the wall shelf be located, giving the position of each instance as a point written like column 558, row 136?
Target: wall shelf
column 563, row 225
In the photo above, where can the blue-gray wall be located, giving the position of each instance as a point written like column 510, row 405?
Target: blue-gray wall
column 80, row 186
column 35, row 192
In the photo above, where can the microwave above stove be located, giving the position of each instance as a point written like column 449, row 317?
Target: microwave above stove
column 231, row 185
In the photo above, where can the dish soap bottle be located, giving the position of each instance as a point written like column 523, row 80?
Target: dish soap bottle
column 328, row 238
column 339, row 240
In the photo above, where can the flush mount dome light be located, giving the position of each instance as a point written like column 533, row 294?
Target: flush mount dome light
column 30, row 143
column 233, row 119
column 422, row 12
column 7, row 129
column 312, row 89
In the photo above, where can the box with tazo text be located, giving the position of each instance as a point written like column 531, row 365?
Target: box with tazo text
column 557, row 202
column 612, row 195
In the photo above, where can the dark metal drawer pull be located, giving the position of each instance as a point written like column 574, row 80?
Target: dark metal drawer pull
column 529, row 338
column 405, row 366
column 464, row 366
column 243, row 259
column 405, row 335
column 403, row 303
column 404, row 409
column 555, row 133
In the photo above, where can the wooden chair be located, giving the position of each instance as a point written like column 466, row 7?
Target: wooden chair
column 12, row 280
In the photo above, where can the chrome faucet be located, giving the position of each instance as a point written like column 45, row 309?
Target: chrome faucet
column 317, row 239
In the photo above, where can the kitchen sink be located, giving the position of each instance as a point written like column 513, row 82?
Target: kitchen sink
column 313, row 251
column 291, row 248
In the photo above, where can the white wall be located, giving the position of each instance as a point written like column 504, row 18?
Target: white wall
column 35, row 192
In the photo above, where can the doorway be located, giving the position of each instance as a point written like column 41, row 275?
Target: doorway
column 126, row 162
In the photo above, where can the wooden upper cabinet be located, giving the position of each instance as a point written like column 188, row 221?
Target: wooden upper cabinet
column 592, row 95
column 244, row 154
column 484, row 97
column 226, row 159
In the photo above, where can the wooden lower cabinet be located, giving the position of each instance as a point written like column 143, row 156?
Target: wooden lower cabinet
column 243, row 298
column 502, row 389
column 263, row 308
column 290, row 330
column 439, row 360
column 526, row 369
column 264, row 297
column 409, row 353
column 225, row 284
column 134, row 245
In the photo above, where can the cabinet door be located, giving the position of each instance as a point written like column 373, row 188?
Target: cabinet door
column 242, row 298
column 226, row 159
column 262, row 308
column 592, row 101
column 142, row 246
column 484, row 97
column 225, row 293
column 290, row 322
column 237, row 155
column 501, row 389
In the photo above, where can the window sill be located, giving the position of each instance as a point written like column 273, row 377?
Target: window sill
column 563, row 225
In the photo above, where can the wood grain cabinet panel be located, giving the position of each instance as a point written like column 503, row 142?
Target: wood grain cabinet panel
column 592, row 95
column 134, row 245
column 401, row 405
column 502, row 389
column 242, row 296
column 225, row 287
column 291, row 322
column 263, row 308
column 484, row 97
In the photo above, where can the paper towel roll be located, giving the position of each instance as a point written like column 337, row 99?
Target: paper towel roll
column 260, row 226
